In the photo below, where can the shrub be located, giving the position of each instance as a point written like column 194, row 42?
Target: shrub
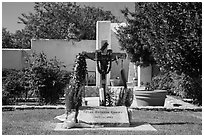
column 45, row 78
column 7, row 72
column 12, row 86
column 188, row 87
column 163, row 82
column 5, row 97
column 179, row 84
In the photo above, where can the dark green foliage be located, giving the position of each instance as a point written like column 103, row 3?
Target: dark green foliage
column 12, row 86
column 163, row 82
column 64, row 20
column 45, row 78
column 21, row 39
column 134, row 38
column 7, row 41
column 56, row 20
column 8, row 72
column 176, row 35
column 181, row 85
column 188, row 87
column 6, row 99
column 172, row 32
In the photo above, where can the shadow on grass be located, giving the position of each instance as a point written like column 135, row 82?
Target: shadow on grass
column 174, row 123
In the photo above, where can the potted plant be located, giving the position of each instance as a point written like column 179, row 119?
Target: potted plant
column 150, row 96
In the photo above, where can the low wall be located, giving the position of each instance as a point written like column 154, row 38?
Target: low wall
column 14, row 58
column 63, row 50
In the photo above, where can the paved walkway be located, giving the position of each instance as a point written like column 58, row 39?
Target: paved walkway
column 171, row 104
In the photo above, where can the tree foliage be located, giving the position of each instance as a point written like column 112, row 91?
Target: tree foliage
column 20, row 39
column 12, row 86
column 178, row 41
column 135, row 38
column 6, row 38
column 64, row 20
column 172, row 31
column 57, row 20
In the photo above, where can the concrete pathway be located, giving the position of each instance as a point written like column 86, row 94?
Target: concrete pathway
column 171, row 103
column 136, row 127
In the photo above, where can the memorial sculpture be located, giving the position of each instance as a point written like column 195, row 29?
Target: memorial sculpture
column 104, row 58
column 101, row 115
column 74, row 91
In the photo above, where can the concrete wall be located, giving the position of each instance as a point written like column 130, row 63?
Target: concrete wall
column 64, row 50
column 14, row 59
column 116, row 68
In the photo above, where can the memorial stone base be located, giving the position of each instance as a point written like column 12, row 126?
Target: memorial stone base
column 106, row 116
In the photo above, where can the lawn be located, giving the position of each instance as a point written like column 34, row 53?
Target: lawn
column 41, row 122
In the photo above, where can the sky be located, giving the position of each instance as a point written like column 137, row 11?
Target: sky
column 12, row 10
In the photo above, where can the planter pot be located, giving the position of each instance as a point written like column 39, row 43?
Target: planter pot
column 115, row 82
column 150, row 98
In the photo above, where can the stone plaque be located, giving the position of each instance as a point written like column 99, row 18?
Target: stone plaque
column 107, row 116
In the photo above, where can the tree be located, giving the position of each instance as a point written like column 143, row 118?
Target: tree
column 135, row 38
column 7, row 41
column 181, row 36
column 57, row 20
column 22, row 39
column 64, row 20
column 172, row 31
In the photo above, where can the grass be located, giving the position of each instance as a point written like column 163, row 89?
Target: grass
column 41, row 122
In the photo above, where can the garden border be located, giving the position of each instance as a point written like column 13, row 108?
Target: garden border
column 149, row 108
